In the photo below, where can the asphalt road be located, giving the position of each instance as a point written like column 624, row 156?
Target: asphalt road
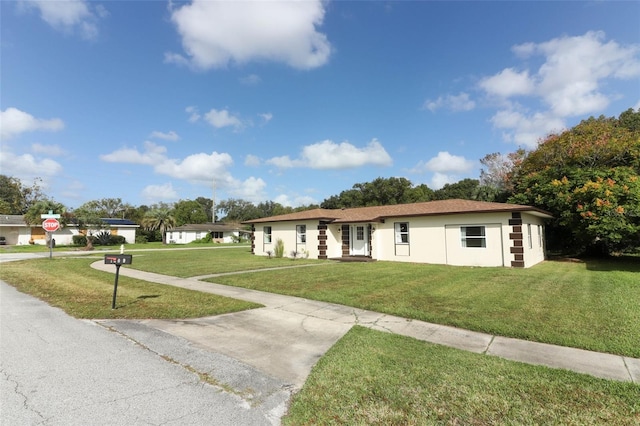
column 57, row 370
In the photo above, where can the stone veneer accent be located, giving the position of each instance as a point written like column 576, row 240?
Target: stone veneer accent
column 322, row 240
column 345, row 240
column 253, row 239
column 517, row 237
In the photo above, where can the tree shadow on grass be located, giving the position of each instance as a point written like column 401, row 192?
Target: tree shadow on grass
column 618, row 263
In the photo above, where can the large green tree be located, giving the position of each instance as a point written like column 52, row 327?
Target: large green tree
column 189, row 211
column 379, row 192
column 466, row 189
column 589, row 178
column 17, row 198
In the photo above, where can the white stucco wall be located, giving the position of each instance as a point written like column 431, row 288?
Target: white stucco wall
column 432, row 239
column 186, row 237
column 286, row 231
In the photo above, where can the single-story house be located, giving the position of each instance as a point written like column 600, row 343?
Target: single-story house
column 220, row 233
column 450, row 232
column 17, row 232
column 14, row 229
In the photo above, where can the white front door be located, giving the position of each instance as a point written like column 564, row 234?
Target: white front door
column 359, row 240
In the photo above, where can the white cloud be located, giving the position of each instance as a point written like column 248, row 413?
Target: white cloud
column 266, row 117
column 508, row 83
column 327, row 155
column 26, row 166
column 199, row 167
column 445, row 162
column 222, row 118
column 13, row 122
column 252, row 160
column 215, row 34
column 157, row 193
column 446, row 168
column 296, row 201
column 526, row 130
column 251, row 189
column 571, row 82
column 50, row 150
column 438, row 180
column 169, row 136
column 194, row 115
column 152, row 154
column 459, row 102
column 70, row 15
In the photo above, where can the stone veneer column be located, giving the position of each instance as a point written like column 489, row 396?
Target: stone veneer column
column 253, row 239
column 345, row 240
column 322, row 240
column 516, row 236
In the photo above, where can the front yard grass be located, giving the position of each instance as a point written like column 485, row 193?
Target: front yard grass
column 192, row 263
column 591, row 305
column 375, row 378
column 72, row 285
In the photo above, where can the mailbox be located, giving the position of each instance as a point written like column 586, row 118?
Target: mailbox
column 118, row 259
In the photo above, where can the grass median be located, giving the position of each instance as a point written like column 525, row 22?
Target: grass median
column 375, row 378
column 72, row 285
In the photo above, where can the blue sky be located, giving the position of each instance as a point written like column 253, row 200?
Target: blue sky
column 295, row 101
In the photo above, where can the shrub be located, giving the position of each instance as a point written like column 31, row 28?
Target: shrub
column 141, row 239
column 204, row 240
column 117, row 240
column 102, row 238
column 81, row 240
column 279, row 249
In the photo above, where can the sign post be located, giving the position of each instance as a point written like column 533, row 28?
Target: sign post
column 50, row 225
column 118, row 260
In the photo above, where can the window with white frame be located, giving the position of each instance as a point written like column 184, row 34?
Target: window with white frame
column 402, row 232
column 301, row 234
column 473, row 236
column 217, row 235
column 267, row 234
column 530, row 237
column 539, row 235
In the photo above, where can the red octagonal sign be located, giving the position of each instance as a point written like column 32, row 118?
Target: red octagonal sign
column 51, row 225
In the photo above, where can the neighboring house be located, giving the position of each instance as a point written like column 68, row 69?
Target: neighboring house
column 451, row 232
column 14, row 229
column 18, row 232
column 220, row 233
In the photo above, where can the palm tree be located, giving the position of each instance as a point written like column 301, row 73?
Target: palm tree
column 159, row 220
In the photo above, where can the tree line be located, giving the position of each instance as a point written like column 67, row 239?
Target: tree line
column 588, row 177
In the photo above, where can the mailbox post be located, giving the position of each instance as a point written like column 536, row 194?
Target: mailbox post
column 118, row 260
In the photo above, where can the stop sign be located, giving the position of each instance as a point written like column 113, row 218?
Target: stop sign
column 51, row 225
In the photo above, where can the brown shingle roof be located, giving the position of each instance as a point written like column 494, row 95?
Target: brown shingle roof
column 379, row 213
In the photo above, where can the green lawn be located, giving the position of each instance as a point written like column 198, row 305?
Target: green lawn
column 72, row 285
column 191, row 263
column 593, row 305
column 375, row 378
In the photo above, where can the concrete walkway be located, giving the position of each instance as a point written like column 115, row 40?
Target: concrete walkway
column 287, row 337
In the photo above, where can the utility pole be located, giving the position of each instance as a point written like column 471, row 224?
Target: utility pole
column 213, row 203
